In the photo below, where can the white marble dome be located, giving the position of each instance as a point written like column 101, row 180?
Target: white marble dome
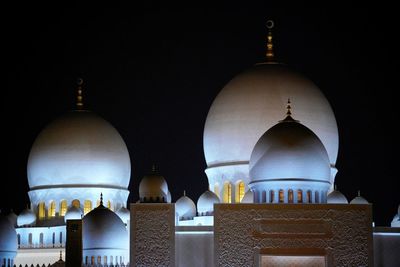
column 185, row 208
column 249, row 105
column 359, row 200
column 153, row 187
column 73, row 213
column 124, row 214
column 287, row 151
column 104, row 233
column 8, row 239
column 26, row 218
column 336, row 197
column 79, row 148
column 205, row 203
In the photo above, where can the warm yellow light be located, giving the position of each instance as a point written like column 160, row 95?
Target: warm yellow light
column 76, row 203
column 281, row 196
column 87, row 206
column 227, row 194
column 42, row 211
column 239, row 192
column 109, row 204
column 52, row 209
column 63, row 207
column 299, row 196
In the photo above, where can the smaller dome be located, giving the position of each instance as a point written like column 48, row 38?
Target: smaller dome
column 8, row 236
column 248, row 197
column 26, row 218
column 102, row 229
column 12, row 217
column 153, row 188
column 205, row 203
column 336, row 197
column 124, row 214
column 185, row 208
column 359, row 200
column 73, row 213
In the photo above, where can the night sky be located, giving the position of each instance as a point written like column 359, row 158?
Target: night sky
column 153, row 71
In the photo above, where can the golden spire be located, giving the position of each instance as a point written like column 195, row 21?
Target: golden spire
column 79, row 98
column 270, row 46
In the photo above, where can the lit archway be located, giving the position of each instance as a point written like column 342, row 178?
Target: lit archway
column 239, row 193
column 227, row 194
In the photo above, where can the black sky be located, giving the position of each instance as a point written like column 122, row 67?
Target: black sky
column 153, row 71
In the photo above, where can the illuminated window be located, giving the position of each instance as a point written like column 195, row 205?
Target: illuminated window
column 290, row 196
column 52, row 209
column 299, row 196
column 216, row 189
column 309, row 200
column 281, row 196
column 92, row 260
column 63, row 207
column 98, row 259
column 76, row 203
column 42, row 210
column 109, row 204
column 87, row 206
column 227, row 196
column 271, row 196
column 239, row 192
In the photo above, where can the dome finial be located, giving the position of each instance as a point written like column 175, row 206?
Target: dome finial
column 359, row 193
column 288, row 108
column 335, row 187
column 184, row 192
column 270, row 46
column 60, row 255
column 101, row 199
column 153, row 168
column 79, row 98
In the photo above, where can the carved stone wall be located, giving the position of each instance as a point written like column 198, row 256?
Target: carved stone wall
column 340, row 233
column 152, row 235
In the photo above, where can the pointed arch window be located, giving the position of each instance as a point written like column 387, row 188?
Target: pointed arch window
column 227, row 195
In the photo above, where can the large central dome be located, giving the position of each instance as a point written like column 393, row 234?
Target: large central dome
column 80, row 148
column 249, row 105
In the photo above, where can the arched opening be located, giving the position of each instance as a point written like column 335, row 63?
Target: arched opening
column 19, row 240
column 61, row 238
column 63, row 207
column 300, row 196
column 30, row 241
column 216, row 189
column 309, row 199
column 98, row 259
column 281, row 196
column 76, row 203
column 52, row 209
column 54, row 239
column 105, row 260
column 86, row 260
column 316, row 197
column 87, row 207
column 41, row 241
column 290, row 196
column 227, row 195
column 111, row 260
column 271, row 196
column 42, row 210
column 239, row 194
column 92, row 260
column 263, row 196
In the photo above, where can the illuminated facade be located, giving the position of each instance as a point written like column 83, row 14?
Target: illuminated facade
column 271, row 197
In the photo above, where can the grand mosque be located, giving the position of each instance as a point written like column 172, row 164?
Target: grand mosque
column 270, row 142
